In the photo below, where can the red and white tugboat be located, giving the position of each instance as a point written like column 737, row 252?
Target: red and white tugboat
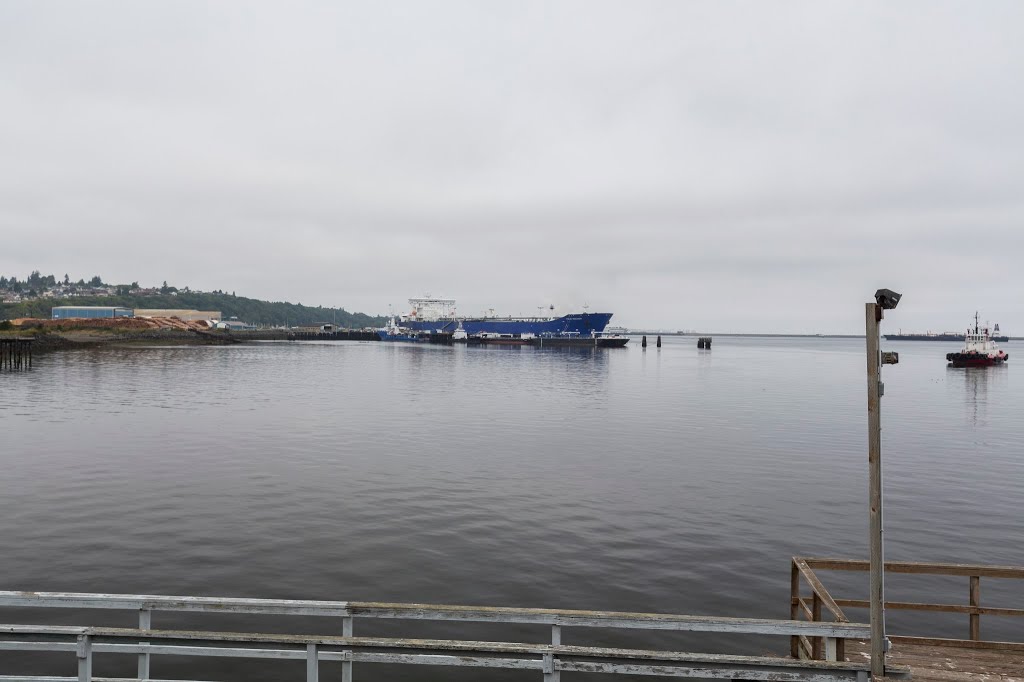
column 979, row 349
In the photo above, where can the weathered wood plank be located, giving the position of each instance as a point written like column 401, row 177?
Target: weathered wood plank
column 959, row 643
column 577, row 618
column 946, row 608
column 78, row 600
column 802, row 603
column 918, row 567
column 947, row 664
column 126, row 638
column 819, row 589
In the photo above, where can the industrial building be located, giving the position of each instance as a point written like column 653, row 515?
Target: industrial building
column 186, row 315
column 67, row 312
column 234, row 325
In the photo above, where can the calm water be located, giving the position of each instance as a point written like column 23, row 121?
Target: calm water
column 675, row 480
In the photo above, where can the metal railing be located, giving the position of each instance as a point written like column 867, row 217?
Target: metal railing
column 550, row 659
column 803, row 570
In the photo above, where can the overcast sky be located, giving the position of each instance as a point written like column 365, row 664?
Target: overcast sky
column 724, row 166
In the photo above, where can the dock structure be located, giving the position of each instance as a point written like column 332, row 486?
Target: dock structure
column 333, row 335
column 15, row 354
column 929, row 659
column 824, row 645
column 81, row 645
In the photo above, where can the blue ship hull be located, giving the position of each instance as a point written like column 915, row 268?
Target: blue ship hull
column 584, row 324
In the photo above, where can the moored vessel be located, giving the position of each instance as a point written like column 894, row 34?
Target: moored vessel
column 551, row 340
column 979, row 349
column 439, row 315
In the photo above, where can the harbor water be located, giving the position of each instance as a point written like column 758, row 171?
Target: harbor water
column 670, row 480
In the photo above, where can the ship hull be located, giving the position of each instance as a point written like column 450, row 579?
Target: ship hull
column 553, row 341
column 976, row 359
column 584, row 324
column 599, row 342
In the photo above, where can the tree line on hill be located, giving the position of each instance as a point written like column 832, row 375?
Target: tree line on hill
column 253, row 311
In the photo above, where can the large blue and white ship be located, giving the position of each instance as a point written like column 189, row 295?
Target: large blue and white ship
column 439, row 315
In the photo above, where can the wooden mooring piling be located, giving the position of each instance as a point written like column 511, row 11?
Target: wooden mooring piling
column 15, row 354
column 704, row 342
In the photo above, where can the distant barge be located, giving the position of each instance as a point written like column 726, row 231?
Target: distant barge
column 552, row 341
column 944, row 336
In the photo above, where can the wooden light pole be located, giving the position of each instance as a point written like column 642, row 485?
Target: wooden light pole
column 884, row 300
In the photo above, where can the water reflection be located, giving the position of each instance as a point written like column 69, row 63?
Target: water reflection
column 976, row 383
column 618, row 479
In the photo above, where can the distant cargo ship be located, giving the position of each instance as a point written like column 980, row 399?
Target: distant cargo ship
column 438, row 315
column 944, row 336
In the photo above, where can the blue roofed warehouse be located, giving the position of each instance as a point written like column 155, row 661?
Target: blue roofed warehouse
column 67, row 312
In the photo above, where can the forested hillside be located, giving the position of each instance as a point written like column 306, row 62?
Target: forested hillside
column 246, row 309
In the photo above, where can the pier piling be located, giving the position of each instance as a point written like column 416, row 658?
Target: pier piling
column 704, row 342
column 643, row 342
column 659, row 340
column 15, row 354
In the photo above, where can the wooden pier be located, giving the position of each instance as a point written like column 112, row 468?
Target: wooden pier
column 83, row 644
column 824, row 645
column 15, row 354
column 929, row 659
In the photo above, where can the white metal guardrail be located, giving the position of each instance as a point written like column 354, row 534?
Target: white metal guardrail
column 550, row 659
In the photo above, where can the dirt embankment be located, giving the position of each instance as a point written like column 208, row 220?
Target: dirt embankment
column 78, row 333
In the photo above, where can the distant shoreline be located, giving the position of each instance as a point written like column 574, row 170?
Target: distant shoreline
column 778, row 336
column 775, row 336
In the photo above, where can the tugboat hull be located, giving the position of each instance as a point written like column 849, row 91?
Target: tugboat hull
column 978, row 350
column 976, row 359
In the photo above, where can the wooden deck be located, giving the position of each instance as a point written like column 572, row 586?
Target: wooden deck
column 929, row 659
column 948, row 664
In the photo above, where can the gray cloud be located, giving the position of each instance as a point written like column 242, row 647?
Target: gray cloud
column 720, row 165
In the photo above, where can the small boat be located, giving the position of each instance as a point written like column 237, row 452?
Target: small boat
column 392, row 332
column 979, row 349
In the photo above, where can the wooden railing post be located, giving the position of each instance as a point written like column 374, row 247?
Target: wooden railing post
column 831, row 649
column 346, row 666
column 794, row 606
column 556, row 640
column 817, row 653
column 548, row 665
column 145, row 622
column 84, row 653
column 975, row 601
column 312, row 663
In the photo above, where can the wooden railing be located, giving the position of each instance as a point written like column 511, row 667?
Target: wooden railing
column 549, row 658
column 810, row 607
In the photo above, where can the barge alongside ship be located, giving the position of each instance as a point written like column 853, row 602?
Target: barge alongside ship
column 435, row 318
